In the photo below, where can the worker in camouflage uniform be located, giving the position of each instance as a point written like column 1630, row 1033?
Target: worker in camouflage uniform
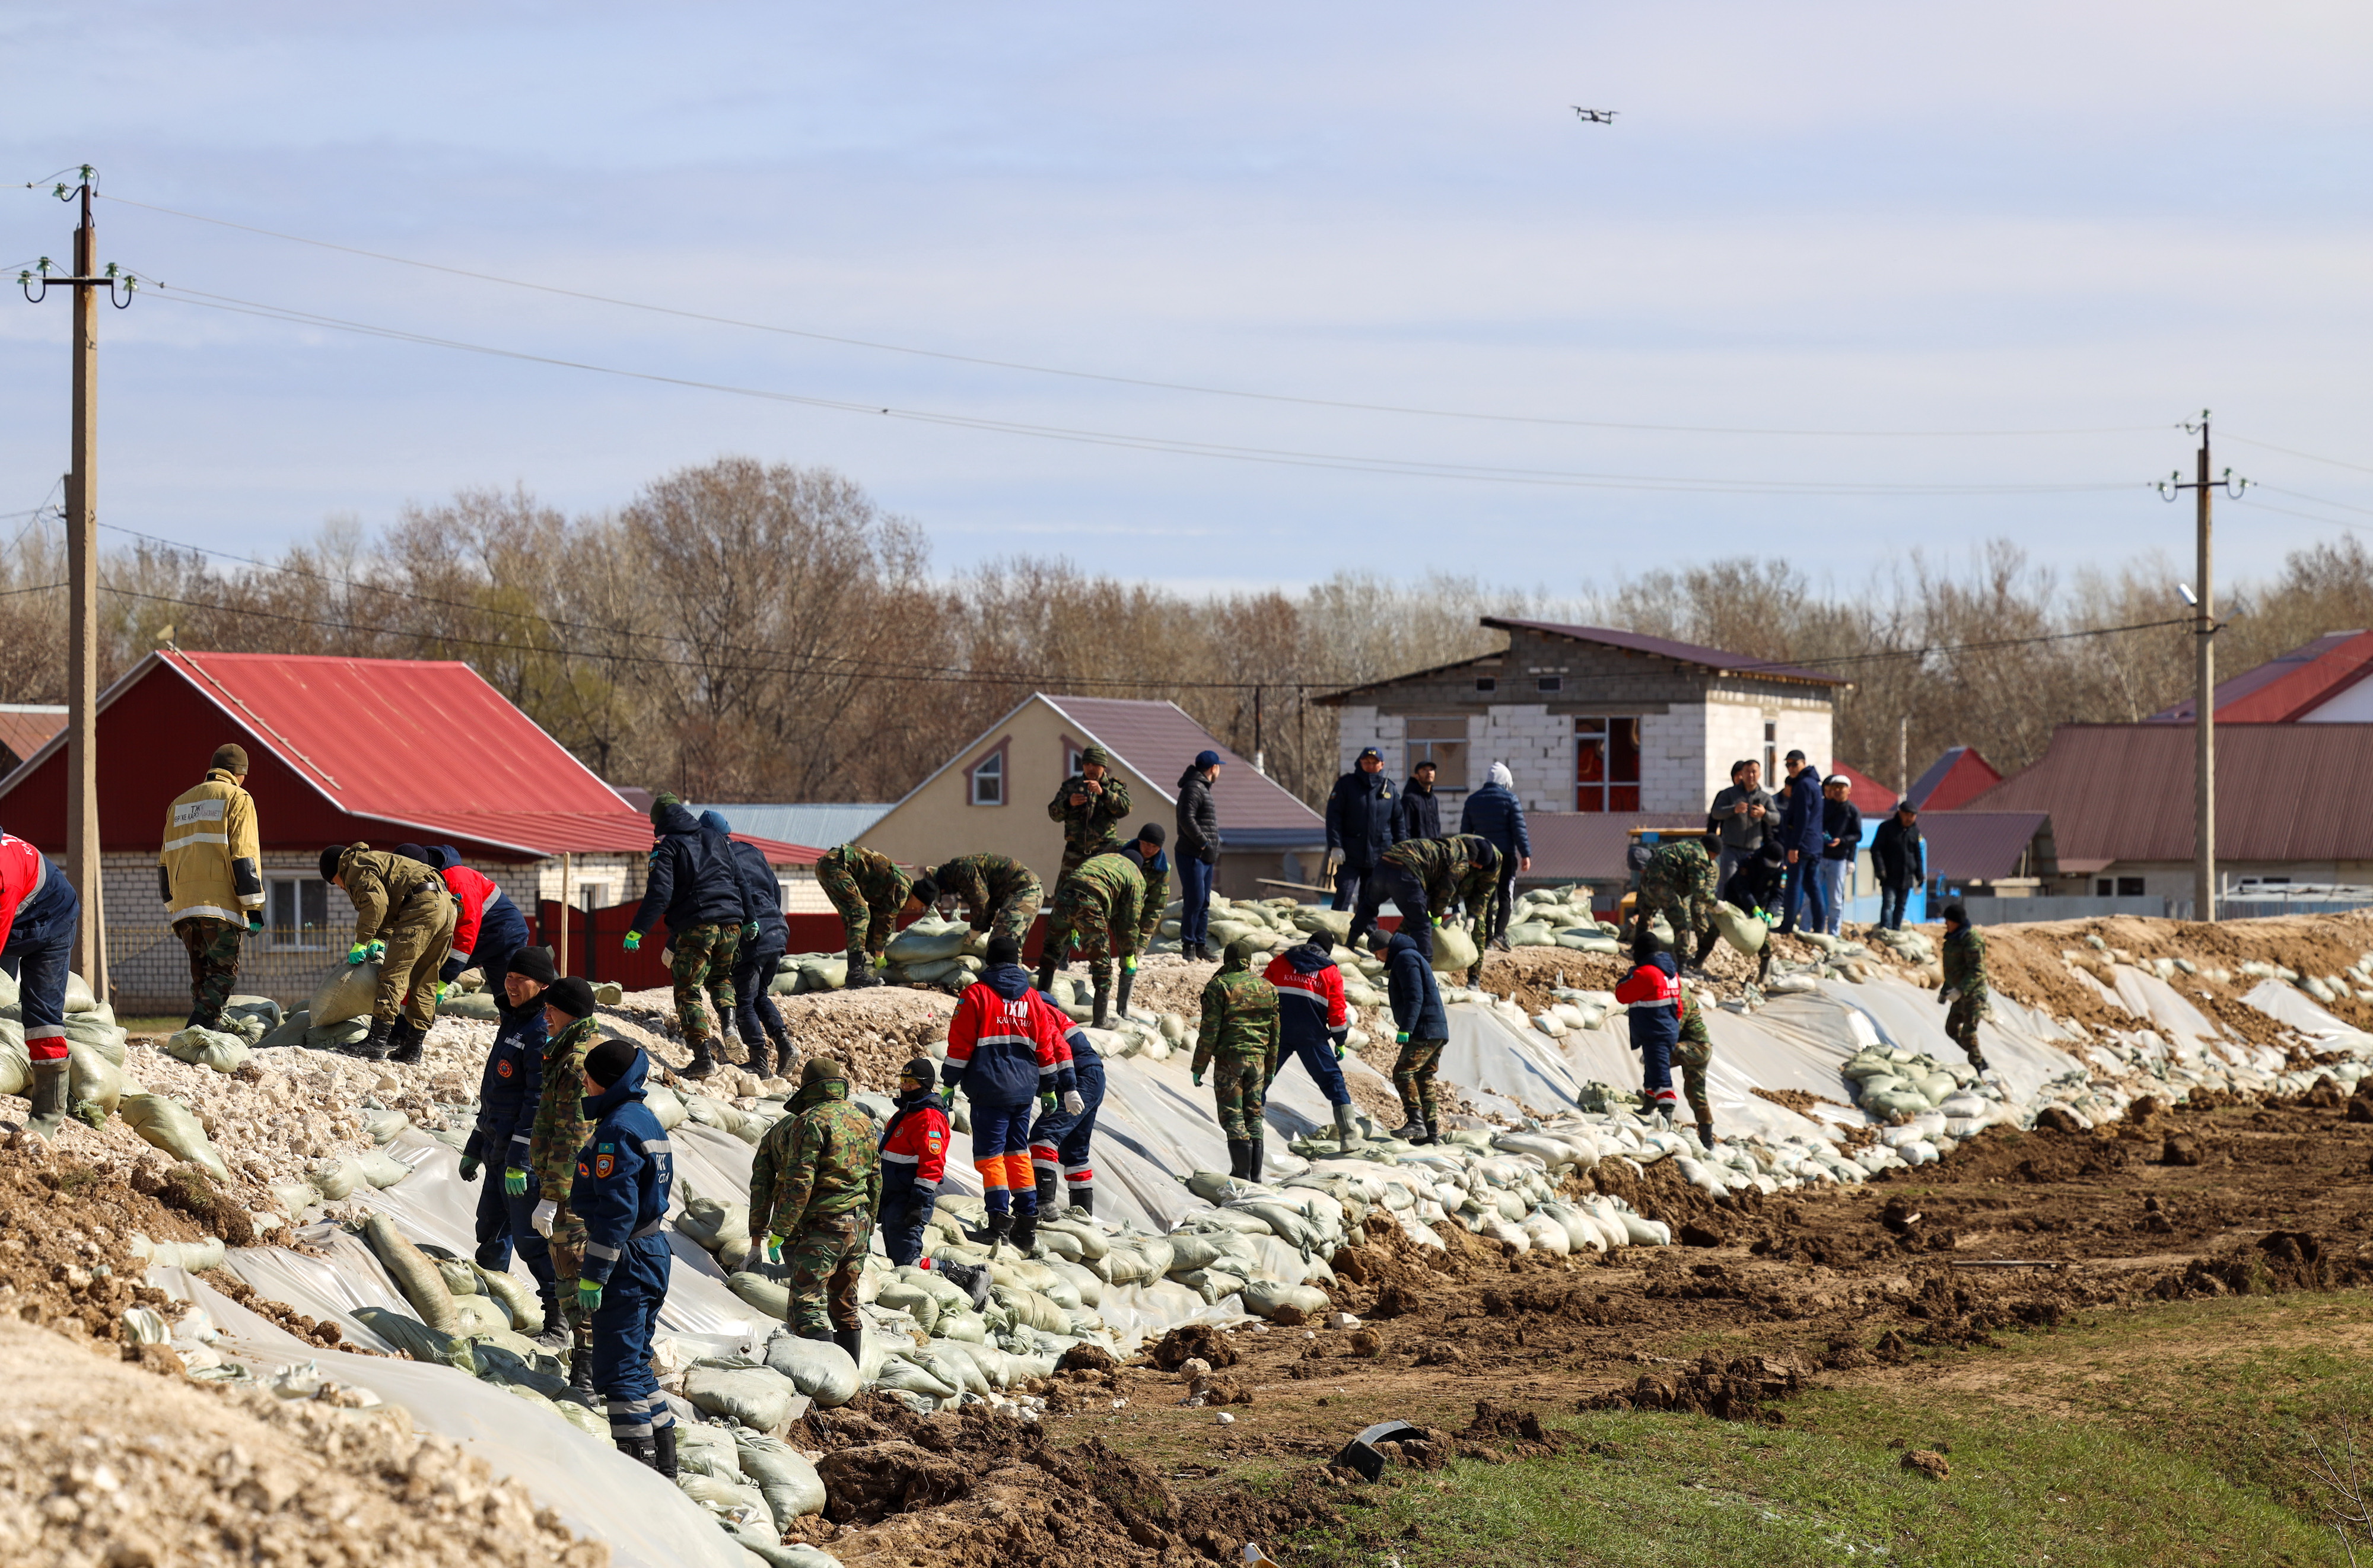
column 1090, row 805
column 561, row 1130
column 207, row 872
column 1678, row 881
column 694, row 883
column 999, row 894
column 1964, row 993
column 814, row 1188
column 403, row 919
column 1239, row 1040
column 871, row 892
column 1692, row 1053
column 1103, row 911
column 1425, row 878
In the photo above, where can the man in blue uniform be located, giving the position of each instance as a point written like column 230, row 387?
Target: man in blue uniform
column 620, row 1195
column 509, row 1090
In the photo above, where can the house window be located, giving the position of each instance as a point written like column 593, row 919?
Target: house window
column 783, row 895
column 989, row 779
column 1486, row 682
column 1442, row 741
column 298, row 913
column 2130, row 887
column 592, row 896
column 2101, row 886
column 1606, row 765
column 1552, row 684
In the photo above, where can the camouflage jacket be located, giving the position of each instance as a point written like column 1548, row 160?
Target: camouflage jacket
column 1964, row 959
column 875, row 876
column 1693, row 1023
column 985, row 882
column 562, row 1127
column 1681, row 866
column 380, row 883
column 1114, row 882
column 1239, row 1014
column 818, row 1163
column 1092, row 828
column 1464, row 867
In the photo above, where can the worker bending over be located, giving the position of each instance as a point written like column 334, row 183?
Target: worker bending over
column 814, row 1188
column 1677, row 883
column 694, row 885
column 510, row 1091
column 620, row 1192
column 39, row 912
column 1060, row 1138
column 870, row 891
column 1238, row 1042
column 999, row 894
column 1313, row 1022
column 208, row 872
column 1006, row 1053
column 1103, row 911
column 1426, row 878
column 487, row 928
column 914, row 1159
column 403, row 923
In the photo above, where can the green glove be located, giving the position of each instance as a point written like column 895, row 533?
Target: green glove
column 1401, row 1038
column 469, row 1168
column 589, row 1296
column 359, row 953
column 1128, row 965
column 255, row 925
column 515, row 1181
column 1046, row 1102
column 774, row 1249
column 378, row 951
column 442, row 989
column 634, row 941
column 750, row 931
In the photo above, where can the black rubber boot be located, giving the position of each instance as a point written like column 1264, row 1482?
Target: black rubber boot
column 1236, row 1149
column 403, row 1042
column 1047, row 1183
column 1102, row 1011
column 853, row 1341
column 1025, row 1232
column 1253, row 1156
column 1084, row 1199
column 664, row 1441
column 1047, row 973
column 642, row 1450
column 49, row 1097
column 372, row 1047
column 861, row 972
column 580, row 1356
column 1000, row 1226
column 784, row 1057
column 1705, row 1136
column 1705, row 950
column 1127, row 981
column 703, row 1062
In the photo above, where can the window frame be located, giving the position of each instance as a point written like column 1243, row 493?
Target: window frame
column 996, row 762
column 294, row 940
column 1609, row 794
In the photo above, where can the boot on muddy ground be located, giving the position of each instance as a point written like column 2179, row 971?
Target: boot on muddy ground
column 703, row 1061
column 374, row 1046
column 403, row 1042
column 853, row 1341
column 49, row 1098
column 861, row 972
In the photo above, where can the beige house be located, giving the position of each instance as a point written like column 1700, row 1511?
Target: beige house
column 993, row 796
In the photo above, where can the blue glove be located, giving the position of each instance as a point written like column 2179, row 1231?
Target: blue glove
column 1198, row 1080
column 514, row 1181
column 255, row 925
column 634, row 941
column 469, row 1168
column 589, row 1296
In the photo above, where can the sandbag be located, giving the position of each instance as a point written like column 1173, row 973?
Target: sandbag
column 460, row 1278
column 383, row 1170
column 347, row 993
column 769, row 1296
column 94, row 1084
column 755, row 1395
column 518, row 1297
column 262, row 1008
column 720, row 1495
column 469, row 1004
column 917, row 1302
column 79, row 997
column 336, row 1179
column 1454, row 950
column 1284, row 1304
column 97, row 1030
column 1742, row 931
column 821, row 1370
column 664, row 1106
column 286, row 1035
column 710, row 1221
column 701, row 1449
column 474, row 1314
column 16, row 1064
column 330, row 1037
column 416, row 1277
column 418, row 1340
column 383, row 1124
column 790, row 1484
column 295, row 1198
column 171, row 1126
column 927, row 940
column 207, row 1048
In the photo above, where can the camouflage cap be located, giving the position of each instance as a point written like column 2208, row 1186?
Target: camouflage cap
column 821, row 1069
column 1096, row 756
column 1239, row 956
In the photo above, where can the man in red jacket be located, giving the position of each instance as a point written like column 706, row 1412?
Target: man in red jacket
column 913, row 1158
column 1312, row 1023
column 1007, row 1054
column 1652, row 992
column 488, row 931
column 39, row 911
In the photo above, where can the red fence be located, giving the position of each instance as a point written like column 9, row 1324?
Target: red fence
column 597, row 943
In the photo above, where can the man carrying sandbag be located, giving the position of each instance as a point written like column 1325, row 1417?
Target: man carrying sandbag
column 209, row 872
column 561, row 1130
column 1313, row 1022
column 914, row 1159
column 1652, row 993
column 1425, row 878
column 39, row 912
column 1421, row 1029
column 815, row 1187
column 1103, row 911
column 869, row 890
column 1678, row 882
column 1089, row 805
column 1238, row 1041
column 1006, row 1053
column 999, row 894
column 766, row 937
column 510, row 1091
column 619, row 1194
column 1964, row 993
column 694, row 886
column 403, row 921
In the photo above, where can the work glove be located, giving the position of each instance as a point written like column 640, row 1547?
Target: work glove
column 255, row 925
column 1128, row 965
column 1072, row 1104
column 442, row 989
column 774, row 1249
column 634, row 941
column 1046, row 1102
column 359, row 953
column 469, row 1168
column 1401, row 1038
column 588, row 1297
column 1949, row 995
column 378, row 951
column 1338, row 1037
column 750, row 930
column 541, row 1221
column 514, row 1181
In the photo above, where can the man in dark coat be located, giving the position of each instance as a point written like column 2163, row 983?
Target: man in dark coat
column 1358, row 826
column 1199, row 853
column 1419, row 814
column 1494, row 813
column 1800, row 836
column 1840, row 842
column 694, row 885
column 1901, row 862
column 766, row 937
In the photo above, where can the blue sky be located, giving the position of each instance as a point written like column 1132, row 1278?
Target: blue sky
column 1823, row 217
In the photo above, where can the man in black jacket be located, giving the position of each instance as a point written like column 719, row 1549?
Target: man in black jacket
column 1419, row 814
column 1198, row 854
column 1358, row 828
column 696, row 885
column 765, row 935
column 1899, row 860
column 1840, row 842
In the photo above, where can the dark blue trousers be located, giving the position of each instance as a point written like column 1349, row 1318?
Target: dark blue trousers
column 1195, row 887
column 1317, row 1059
column 753, row 1004
column 1061, row 1141
column 905, row 1211
column 503, row 1222
column 41, row 944
column 631, row 1299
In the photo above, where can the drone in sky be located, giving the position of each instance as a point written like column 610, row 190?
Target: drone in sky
column 1595, row 116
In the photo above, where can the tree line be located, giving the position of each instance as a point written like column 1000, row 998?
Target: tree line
column 745, row 631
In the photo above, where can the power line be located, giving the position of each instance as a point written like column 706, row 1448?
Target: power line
column 2292, row 451
column 1274, row 456
column 1099, row 375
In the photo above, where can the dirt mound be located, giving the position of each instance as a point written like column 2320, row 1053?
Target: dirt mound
column 1734, row 1390
column 105, row 1463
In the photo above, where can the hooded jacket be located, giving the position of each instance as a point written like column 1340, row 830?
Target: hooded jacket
column 1653, row 991
column 1419, row 816
column 1800, row 825
column 482, row 913
column 1005, row 1043
column 762, row 896
column 694, row 880
column 1416, row 997
column 1360, row 817
column 620, row 1191
column 915, row 1141
column 1309, row 996
column 1199, row 819
column 819, row 1161
column 1494, row 813
column 509, row 1089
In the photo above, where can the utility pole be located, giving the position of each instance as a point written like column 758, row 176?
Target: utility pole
column 1903, row 757
column 2203, row 702
column 83, row 842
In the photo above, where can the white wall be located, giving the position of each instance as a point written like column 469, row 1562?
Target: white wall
column 1537, row 746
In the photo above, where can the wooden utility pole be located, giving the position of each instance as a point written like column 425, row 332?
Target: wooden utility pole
column 83, row 842
column 2203, row 701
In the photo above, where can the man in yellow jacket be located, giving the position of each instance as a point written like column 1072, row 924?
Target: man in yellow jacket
column 210, row 873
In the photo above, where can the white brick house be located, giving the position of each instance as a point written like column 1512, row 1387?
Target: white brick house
column 1592, row 721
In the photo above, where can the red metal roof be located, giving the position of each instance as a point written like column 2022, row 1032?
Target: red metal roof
column 1868, row 795
column 2285, row 690
column 1981, row 846
column 369, row 748
column 1713, row 659
column 2123, row 792
column 25, row 728
column 1953, row 780
column 1158, row 741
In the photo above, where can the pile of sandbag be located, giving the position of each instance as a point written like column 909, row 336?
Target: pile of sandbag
column 933, row 952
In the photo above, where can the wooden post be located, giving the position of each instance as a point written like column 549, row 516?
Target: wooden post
column 565, row 908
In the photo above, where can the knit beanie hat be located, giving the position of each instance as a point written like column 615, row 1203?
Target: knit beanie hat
column 573, row 996
column 329, row 858
column 608, row 1062
column 536, row 964
column 230, row 758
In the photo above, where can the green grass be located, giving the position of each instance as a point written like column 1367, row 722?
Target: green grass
column 2170, row 1435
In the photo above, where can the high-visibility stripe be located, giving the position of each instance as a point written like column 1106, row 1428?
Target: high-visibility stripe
column 211, row 912
column 894, row 1157
column 595, row 1249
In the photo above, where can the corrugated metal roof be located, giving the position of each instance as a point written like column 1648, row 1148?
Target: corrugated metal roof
column 1979, row 846
column 2123, row 792
column 25, row 728
column 1665, row 647
column 1953, row 780
column 824, row 824
column 2284, row 689
column 1159, row 742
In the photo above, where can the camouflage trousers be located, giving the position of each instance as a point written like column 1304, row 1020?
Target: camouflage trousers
column 867, row 922
column 1240, row 1084
column 1413, row 1077
column 1013, row 917
column 568, row 1262
column 703, row 961
column 1688, row 909
column 1080, row 925
column 417, row 941
column 824, row 1263
column 214, row 963
column 1961, row 1020
column 1692, row 1057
